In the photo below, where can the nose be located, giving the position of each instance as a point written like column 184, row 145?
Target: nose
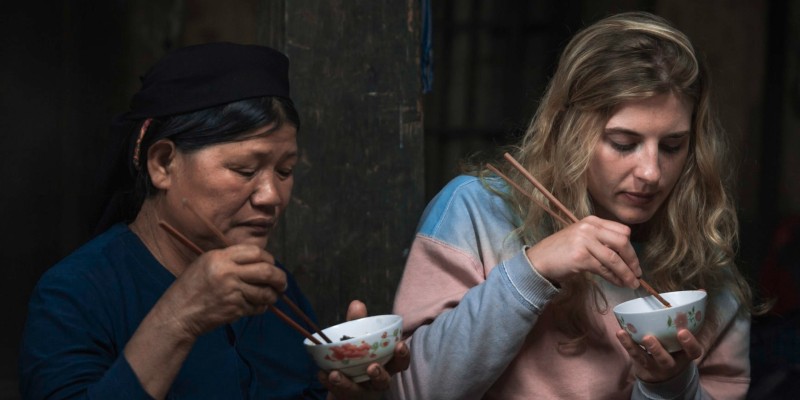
column 266, row 193
column 648, row 168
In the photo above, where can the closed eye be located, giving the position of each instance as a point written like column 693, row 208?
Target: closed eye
column 671, row 149
column 247, row 173
column 285, row 173
column 623, row 147
column 674, row 144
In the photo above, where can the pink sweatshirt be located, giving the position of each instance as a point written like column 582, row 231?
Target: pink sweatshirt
column 481, row 328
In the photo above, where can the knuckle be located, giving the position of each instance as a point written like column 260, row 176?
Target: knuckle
column 584, row 227
column 613, row 257
column 250, row 250
column 216, row 273
column 267, row 297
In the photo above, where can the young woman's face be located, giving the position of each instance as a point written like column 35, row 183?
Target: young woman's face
column 639, row 158
column 241, row 187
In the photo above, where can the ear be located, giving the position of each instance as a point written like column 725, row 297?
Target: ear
column 161, row 159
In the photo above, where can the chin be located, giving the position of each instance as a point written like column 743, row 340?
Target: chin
column 634, row 218
column 260, row 241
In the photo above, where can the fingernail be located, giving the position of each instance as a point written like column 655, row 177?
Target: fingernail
column 374, row 371
column 335, row 378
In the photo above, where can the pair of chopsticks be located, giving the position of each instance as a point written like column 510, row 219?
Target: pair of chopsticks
column 558, row 205
column 221, row 237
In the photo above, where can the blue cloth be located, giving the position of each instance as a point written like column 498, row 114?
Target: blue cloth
column 426, row 47
column 85, row 309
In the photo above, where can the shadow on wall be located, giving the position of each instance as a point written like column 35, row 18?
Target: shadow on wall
column 9, row 390
column 775, row 340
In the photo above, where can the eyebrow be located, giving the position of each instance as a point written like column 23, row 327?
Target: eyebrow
column 629, row 132
column 260, row 155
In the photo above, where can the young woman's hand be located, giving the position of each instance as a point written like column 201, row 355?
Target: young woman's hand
column 342, row 388
column 593, row 245
column 653, row 363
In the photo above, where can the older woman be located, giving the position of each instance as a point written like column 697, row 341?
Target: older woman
column 136, row 313
column 504, row 301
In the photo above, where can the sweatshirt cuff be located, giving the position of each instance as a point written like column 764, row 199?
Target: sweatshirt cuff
column 534, row 289
column 673, row 388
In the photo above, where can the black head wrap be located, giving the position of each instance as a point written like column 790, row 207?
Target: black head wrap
column 188, row 79
column 207, row 75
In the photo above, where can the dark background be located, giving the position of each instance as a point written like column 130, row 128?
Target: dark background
column 375, row 147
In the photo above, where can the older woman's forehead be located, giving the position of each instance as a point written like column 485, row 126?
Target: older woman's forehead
column 282, row 141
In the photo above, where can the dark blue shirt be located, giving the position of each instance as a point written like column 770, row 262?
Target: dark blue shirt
column 85, row 309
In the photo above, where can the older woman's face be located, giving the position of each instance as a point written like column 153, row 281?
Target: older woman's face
column 241, row 187
column 639, row 158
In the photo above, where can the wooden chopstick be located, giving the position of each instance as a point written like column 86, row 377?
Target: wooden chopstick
column 177, row 235
column 188, row 243
column 563, row 209
column 221, row 237
column 541, row 187
column 524, row 192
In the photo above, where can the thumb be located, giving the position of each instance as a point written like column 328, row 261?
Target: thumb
column 356, row 310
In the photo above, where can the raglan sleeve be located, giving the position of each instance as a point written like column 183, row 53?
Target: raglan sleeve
column 464, row 317
column 66, row 349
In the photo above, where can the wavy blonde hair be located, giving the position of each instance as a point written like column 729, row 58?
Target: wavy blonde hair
column 692, row 239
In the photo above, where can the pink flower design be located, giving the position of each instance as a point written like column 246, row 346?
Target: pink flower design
column 630, row 328
column 681, row 320
column 349, row 351
column 698, row 316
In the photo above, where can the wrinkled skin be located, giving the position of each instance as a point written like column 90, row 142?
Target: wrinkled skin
column 241, row 188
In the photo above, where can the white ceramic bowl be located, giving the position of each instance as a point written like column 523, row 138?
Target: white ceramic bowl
column 357, row 344
column 647, row 316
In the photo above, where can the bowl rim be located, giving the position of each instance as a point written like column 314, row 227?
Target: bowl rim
column 396, row 318
column 667, row 295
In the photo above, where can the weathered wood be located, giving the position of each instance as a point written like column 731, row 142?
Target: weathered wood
column 355, row 80
column 359, row 188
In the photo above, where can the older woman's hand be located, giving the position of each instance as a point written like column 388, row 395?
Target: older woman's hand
column 223, row 285
column 342, row 388
column 653, row 363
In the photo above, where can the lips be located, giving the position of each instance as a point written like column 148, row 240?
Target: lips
column 259, row 226
column 638, row 198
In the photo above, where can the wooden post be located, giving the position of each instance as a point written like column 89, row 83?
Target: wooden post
column 359, row 188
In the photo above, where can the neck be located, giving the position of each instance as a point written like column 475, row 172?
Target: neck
column 172, row 255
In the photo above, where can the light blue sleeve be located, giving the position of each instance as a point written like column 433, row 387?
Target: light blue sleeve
column 463, row 351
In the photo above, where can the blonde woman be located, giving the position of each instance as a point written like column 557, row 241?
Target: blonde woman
column 503, row 301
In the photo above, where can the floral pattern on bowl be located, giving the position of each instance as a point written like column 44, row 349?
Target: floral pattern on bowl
column 643, row 316
column 630, row 328
column 348, row 352
column 688, row 320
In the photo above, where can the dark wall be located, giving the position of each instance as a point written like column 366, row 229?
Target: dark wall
column 68, row 68
column 59, row 65
column 360, row 192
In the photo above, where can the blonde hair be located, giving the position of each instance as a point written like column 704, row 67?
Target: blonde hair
column 692, row 239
